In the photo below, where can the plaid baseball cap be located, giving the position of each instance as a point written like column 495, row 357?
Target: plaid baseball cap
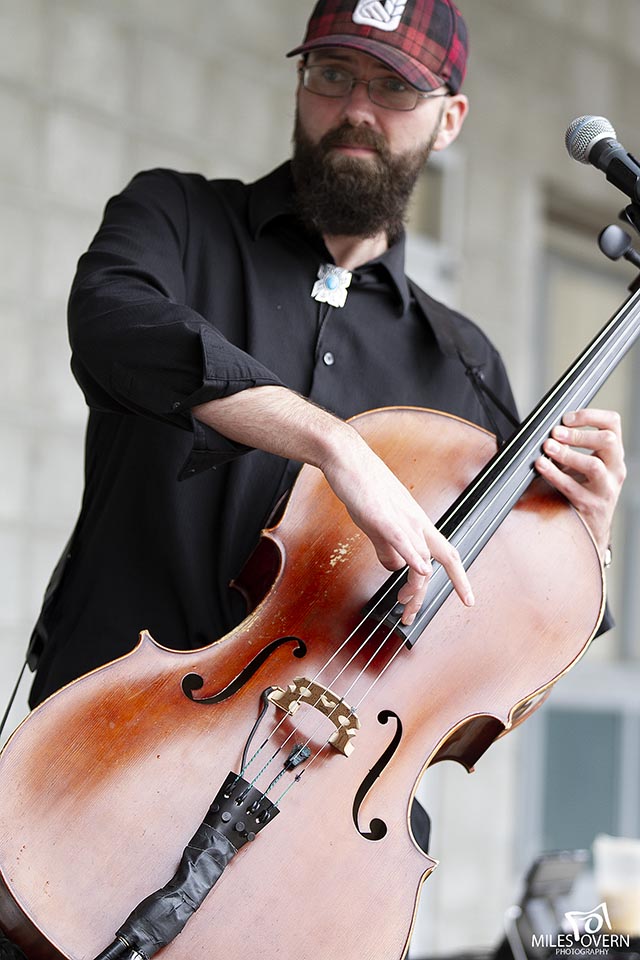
column 425, row 41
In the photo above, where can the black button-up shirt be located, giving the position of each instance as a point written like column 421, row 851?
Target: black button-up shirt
column 194, row 290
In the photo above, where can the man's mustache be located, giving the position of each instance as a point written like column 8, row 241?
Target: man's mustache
column 346, row 135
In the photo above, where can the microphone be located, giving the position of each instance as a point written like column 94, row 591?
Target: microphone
column 593, row 140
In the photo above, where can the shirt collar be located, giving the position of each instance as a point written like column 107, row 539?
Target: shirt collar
column 271, row 197
column 392, row 264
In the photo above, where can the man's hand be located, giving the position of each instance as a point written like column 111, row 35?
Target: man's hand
column 397, row 526
column 281, row 422
column 591, row 481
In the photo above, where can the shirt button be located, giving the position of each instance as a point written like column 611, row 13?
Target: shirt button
column 329, row 358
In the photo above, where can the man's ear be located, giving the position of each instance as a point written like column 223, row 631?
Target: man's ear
column 455, row 110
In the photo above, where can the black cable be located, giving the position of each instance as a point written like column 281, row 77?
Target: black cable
column 12, row 697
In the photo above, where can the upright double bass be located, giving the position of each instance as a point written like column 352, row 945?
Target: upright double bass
column 310, row 725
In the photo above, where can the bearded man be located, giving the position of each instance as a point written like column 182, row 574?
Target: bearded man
column 221, row 325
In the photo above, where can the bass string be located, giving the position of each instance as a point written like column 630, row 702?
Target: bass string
column 391, row 660
column 327, row 689
column 327, row 742
column 352, row 710
column 296, row 729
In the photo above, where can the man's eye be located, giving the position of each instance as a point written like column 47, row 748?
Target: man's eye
column 333, row 75
column 393, row 85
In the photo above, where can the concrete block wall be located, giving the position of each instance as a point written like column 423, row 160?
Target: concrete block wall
column 92, row 91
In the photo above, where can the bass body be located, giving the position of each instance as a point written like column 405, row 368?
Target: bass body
column 104, row 784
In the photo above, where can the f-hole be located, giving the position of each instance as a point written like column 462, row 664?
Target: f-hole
column 193, row 681
column 377, row 828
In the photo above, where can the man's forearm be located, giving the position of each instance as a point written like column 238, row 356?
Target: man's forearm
column 280, row 421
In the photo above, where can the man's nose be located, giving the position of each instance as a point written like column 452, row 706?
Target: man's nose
column 358, row 107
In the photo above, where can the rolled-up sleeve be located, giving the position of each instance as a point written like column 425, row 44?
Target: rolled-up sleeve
column 137, row 346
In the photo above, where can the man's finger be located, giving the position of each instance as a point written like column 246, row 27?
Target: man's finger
column 449, row 557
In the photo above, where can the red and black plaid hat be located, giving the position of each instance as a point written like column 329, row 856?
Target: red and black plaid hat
column 425, row 41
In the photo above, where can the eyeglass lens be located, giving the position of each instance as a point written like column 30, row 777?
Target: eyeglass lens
column 388, row 92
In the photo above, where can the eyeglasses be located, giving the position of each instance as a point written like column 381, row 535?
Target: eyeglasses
column 392, row 93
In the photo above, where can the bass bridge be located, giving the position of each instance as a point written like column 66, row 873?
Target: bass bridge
column 333, row 707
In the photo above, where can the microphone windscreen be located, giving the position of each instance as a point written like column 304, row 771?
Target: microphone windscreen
column 583, row 132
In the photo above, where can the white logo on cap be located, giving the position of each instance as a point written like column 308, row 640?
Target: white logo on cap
column 384, row 16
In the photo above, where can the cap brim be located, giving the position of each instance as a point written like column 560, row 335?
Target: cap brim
column 409, row 69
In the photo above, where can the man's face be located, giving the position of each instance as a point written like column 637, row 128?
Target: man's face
column 403, row 130
column 355, row 162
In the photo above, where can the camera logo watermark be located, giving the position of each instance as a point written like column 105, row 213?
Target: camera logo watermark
column 591, row 922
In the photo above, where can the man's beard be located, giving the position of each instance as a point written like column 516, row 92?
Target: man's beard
column 339, row 195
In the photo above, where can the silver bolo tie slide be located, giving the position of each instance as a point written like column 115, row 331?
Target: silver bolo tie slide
column 332, row 285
